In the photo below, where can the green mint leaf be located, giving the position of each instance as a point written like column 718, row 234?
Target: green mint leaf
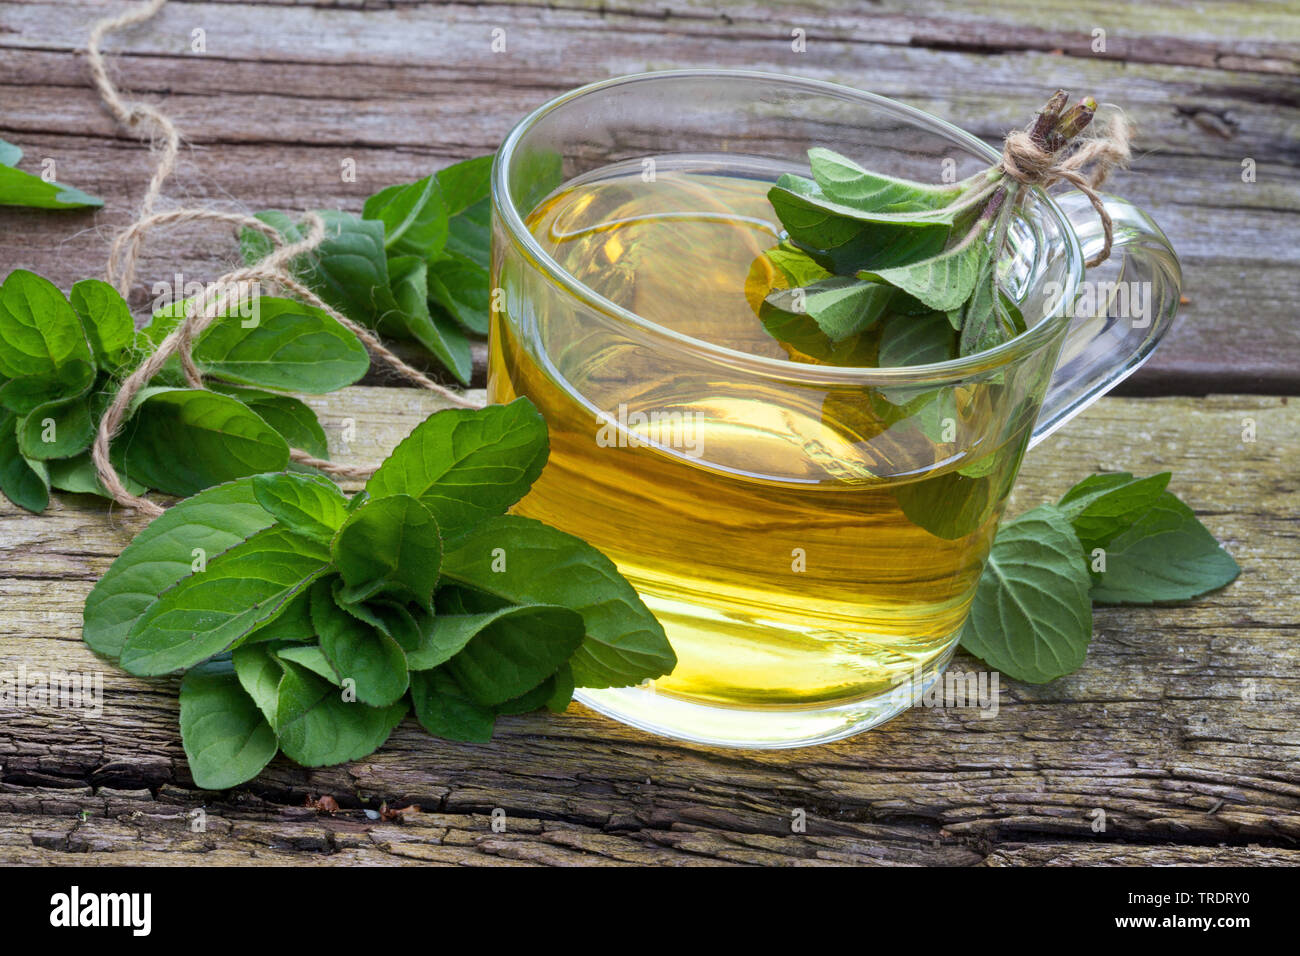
column 227, row 740
column 291, row 625
column 916, row 340
column 259, row 674
column 442, row 337
column 561, row 690
column 944, row 281
column 414, row 217
column 26, row 393
column 513, row 651
column 465, row 465
column 308, row 505
column 78, row 475
column 389, row 545
column 106, row 319
column 212, row 609
column 460, row 287
column 843, row 181
column 522, row 561
column 1031, row 617
column 18, row 188
column 1102, row 506
column 365, row 655
column 291, row 417
column 58, row 429
column 39, row 331
column 311, row 657
column 24, row 482
column 799, row 268
column 841, row 306
column 1165, row 555
column 466, row 187
column 192, row 531
column 445, row 710
column 292, row 347
column 182, row 440
column 317, row 727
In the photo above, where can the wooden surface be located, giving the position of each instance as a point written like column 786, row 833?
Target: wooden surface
column 286, row 91
column 1181, row 726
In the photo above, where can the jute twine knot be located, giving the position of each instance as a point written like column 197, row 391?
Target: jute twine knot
column 1098, row 152
column 276, row 270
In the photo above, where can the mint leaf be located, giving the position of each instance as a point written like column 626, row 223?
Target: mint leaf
column 196, row 529
column 522, row 561
column 259, row 674
column 18, row 188
column 291, row 417
column 183, row 440
column 414, row 217
column 514, row 652
column 106, row 321
column 843, row 181
column 1031, row 617
column 1165, row 555
column 227, row 741
column 58, row 429
column 317, row 727
column 293, row 624
column 293, row 347
column 442, row 337
column 461, row 287
column 207, row 612
column 24, row 482
column 389, row 545
column 944, row 281
column 311, row 657
column 445, row 710
column 916, row 340
column 9, row 154
column 39, row 331
column 309, row 505
column 1102, row 506
column 79, row 476
column 368, row 657
column 467, row 464
column 841, row 306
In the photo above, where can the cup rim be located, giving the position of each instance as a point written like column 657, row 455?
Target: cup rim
column 993, row 359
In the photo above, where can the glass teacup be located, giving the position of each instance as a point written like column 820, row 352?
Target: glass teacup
column 809, row 535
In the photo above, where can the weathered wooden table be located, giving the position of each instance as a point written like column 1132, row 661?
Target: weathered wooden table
column 1181, row 726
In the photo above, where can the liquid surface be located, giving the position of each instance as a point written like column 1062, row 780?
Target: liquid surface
column 801, row 545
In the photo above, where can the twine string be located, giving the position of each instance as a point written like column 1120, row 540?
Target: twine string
column 1085, row 167
column 276, row 269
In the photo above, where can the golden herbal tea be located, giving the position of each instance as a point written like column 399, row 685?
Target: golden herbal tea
column 801, row 544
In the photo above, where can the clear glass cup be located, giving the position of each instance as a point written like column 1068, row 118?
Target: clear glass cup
column 896, row 475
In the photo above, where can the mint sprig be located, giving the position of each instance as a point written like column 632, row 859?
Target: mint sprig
column 864, row 252
column 310, row 623
column 1111, row 539
column 413, row 265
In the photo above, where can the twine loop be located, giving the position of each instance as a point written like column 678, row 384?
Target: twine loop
column 1085, row 167
column 276, row 270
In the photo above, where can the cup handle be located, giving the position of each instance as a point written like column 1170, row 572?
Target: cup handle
column 1125, row 307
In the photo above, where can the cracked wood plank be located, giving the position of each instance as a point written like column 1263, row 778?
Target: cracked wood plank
column 1180, row 726
column 406, row 87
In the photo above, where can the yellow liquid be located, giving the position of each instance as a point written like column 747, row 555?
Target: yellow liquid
column 767, row 527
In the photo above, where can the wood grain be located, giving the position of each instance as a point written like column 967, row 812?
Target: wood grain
column 1180, row 727
column 405, row 87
